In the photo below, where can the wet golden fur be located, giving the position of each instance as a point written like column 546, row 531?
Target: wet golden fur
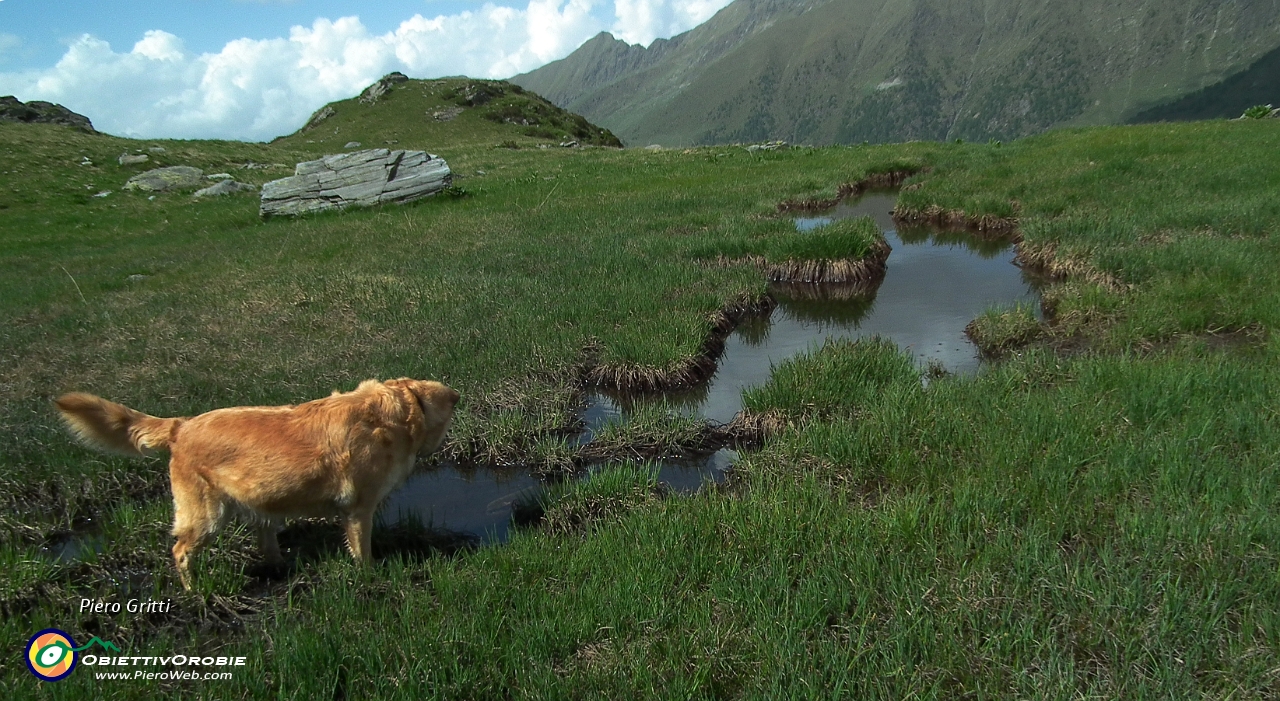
column 340, row 455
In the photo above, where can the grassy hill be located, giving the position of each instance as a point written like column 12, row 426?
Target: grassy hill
column 453, row 112
column 869, row 70
column 1096, row 515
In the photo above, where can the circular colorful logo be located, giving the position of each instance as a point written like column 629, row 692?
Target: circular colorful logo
column 51, row 654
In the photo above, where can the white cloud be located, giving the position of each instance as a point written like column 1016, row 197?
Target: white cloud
column 642, row 21
column 258, row 89
column 160, row 46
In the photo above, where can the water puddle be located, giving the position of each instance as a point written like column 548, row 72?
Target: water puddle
column 476, row 502
column 65, row 547
column 482, row 503
column 936, row 283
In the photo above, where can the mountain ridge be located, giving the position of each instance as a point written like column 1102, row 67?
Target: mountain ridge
column 892, row 70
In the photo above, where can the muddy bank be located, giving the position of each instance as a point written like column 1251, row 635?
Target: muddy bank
column 874, row 181
column 987, row 225
column 1045, row 259
column 998, row 335
column 698, row 438
column 75, row 505
column 864, row 273
column 561, row 450
column 746, row 431
column 684, row 373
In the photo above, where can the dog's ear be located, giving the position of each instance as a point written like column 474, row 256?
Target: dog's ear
column 436, row 403
column 444, row 396
column 436, row 395
column 436, row 400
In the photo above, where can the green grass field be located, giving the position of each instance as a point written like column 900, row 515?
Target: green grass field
column 1095, row 515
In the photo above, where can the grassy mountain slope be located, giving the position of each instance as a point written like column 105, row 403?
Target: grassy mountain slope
column 454, row 112
column 613, row 79
column 890, row 70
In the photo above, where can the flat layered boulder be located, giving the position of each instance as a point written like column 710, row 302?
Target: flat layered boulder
column 356, row 179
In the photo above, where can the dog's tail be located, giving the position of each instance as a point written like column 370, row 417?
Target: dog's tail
column 115, row 428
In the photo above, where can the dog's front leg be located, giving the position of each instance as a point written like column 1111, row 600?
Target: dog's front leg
column 359, row 530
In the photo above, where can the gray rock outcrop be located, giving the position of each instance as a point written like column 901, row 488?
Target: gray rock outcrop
column 14, row 110
column 357, row 179
column 319, row 116
column 382, row 87
column 224, row 187
column 165, row 179
column 446, row 114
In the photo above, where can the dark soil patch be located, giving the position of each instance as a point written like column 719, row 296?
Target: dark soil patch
column 1221, row 340
column 60, row 506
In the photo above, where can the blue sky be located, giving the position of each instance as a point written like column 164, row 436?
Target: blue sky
column 255, row 69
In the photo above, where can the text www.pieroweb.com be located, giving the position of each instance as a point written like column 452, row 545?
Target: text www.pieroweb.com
column 144, row 667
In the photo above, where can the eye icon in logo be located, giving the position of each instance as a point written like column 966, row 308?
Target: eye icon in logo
column 51, row 654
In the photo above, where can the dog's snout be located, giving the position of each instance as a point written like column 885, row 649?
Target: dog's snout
column 452, row 396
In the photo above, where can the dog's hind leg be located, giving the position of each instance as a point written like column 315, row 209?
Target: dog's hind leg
column 359, row 531
column 198, row 513
column 267, row 542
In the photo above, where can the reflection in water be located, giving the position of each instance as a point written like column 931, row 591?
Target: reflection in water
column 474, row 501
column 935, row 284
column 807, row 303
column 73, row 547
column 754, row 331
column 983, row 248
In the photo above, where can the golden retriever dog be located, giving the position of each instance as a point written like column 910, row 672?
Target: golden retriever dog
column 340, row 455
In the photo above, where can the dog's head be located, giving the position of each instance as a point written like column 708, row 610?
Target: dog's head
column 430, row 403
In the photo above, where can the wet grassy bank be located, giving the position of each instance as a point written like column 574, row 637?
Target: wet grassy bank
column 1095, row 522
